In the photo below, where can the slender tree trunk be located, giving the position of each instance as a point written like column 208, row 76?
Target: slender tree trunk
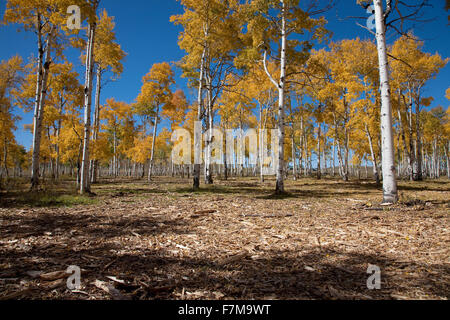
column 365, row 169
column 79, row 164
column 281, row 95
column 37, row 110
column 389, row 179
column 198, row 140
column 294, row 165
column 210, row 119
column 85, row 185
column 447, row 151
column 399, row 162
column 155, row 128
column 319, row 174
column 260, row 144
column 402, row 130
column 341, row 164
column 58, row 136
column 412, row 153
column 94, row 163
column 114, row 163
column 334, row 158
column 306, row 154
column 5, row 157
column 280, row 85
column 418, row 156
column 302, row 146
column 263, row 135
column 346, row 159
column 436, row 158
column 41, row 91
column 374, row 158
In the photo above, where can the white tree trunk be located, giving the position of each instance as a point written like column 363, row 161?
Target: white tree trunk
column 339, row 150
column 318, row 151
column 85, row 183
column 418, row 155
column 374, row 157
column 334, row 158
column 58, row 135
column 114, row 162
column 261, row 141
column 155, row 128
column 388, row 165
column 302, row 147
column 198, row 141
column 294, row 165
column 208, row 166
column 36, row 124
column 448, row 158
column 281, row 87
column 41, row 91
column 94, row 163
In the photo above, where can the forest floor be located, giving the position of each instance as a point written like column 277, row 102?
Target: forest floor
column 232, row 240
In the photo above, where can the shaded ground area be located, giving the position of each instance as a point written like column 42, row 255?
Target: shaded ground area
column 233, row 240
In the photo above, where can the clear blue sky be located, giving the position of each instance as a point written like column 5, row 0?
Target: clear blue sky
column 146, row 34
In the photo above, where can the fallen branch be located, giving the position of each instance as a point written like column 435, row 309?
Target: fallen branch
column 17, row 294
column 115, row 294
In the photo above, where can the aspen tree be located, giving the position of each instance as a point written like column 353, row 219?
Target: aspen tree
column 45, row 19
column 10, row 80
column 108, row 57
column 405, row 12
column 411, row 70
column 155, row 94
column 390, row 194
column 85, row 184
column 210, row 37
column 273, row 22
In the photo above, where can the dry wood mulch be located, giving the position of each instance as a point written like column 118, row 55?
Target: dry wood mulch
column 233, row 242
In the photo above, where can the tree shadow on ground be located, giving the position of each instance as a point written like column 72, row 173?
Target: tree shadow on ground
column 102, row 245
column 54, row 198
column 422, row 188
column 304, row 193
column 218, row 189
column 115, row 192
column 318, row 190
column 88, row 225
column 158, row 274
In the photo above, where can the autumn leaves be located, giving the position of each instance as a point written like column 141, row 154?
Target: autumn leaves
column 253, row 65
column 55, row 84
